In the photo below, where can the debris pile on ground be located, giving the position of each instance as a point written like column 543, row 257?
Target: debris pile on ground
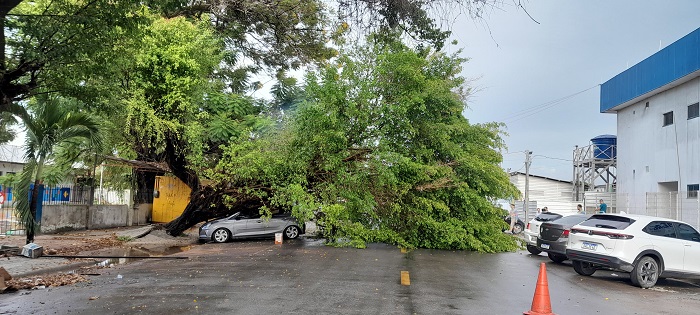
column 39, row 282
column 83, row 244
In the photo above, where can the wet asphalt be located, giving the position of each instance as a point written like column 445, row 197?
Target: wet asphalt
column 305, row 277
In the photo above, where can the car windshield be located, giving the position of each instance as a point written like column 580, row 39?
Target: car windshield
column 571, row 220
column 546, row 217
column 608, row 222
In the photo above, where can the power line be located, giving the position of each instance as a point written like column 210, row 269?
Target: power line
column 527, row 112
column 553, row 158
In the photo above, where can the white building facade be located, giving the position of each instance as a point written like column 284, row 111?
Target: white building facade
column 544, row 192
column 658, row 131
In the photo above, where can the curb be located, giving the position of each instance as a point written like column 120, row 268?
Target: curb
column 56, row 269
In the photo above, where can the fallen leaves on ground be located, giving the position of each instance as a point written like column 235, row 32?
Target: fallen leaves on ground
column 54, row 280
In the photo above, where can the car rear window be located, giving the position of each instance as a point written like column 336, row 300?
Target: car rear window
column 546, row 217
column 608, row 222
column 571, row 220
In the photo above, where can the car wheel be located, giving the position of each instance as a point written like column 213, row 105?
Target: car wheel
column 645, row 272
column 583, row 268
column 517, row 228
column 557, row 258
column 291, row 232
column 221, row 235
column 533, row 250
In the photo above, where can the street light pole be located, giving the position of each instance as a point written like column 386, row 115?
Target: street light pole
column 528, row 161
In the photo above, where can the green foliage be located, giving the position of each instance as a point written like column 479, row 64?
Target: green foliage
column 6, row 122
column 125, row 238
column 390, row 158
column 46, row 44
column 169, row 80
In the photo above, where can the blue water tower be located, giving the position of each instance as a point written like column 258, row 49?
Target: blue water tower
column 605, row 147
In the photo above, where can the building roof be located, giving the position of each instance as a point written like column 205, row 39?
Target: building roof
column 669, row 67
column 543, row 177
column 11, row 154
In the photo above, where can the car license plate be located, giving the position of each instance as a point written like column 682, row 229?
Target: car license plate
column 545, row 246
column 591, row 246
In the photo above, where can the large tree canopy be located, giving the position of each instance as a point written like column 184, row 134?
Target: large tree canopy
column 44, row 43
column 381, row 148
column 373, row 142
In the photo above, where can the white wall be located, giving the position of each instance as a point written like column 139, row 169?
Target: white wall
column 649, row 153
column 6, row 167
column 553, row 194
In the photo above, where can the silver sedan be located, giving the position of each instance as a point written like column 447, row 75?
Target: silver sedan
column 249, row 225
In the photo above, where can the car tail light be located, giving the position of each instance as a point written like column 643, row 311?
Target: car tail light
column 616, row 236
column 528, row 226
column 565, row 234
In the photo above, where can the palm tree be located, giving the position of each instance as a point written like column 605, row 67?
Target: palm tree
column 50, row 124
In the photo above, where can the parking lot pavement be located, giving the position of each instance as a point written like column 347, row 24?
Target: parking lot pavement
column 304, row 276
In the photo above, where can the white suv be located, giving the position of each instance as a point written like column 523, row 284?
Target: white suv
column 646, row 247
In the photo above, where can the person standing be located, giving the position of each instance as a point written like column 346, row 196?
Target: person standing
column 580, row 210
column 602, row 207
column 513, row 217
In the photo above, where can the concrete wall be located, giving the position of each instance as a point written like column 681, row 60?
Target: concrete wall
column 653, row 157
column 57, row 218
column 106, row 216
column 141, row 214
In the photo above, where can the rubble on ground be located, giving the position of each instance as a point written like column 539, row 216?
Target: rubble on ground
column 45, row 281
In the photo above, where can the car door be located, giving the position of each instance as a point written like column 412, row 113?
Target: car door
column 277, row 223
column 663, row 237
column 256, row 225
column 691, row 243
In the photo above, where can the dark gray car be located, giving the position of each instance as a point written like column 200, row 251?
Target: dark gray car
column 555, row 234
column 241, row 225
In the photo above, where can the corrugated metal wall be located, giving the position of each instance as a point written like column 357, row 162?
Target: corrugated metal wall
column 669, row 64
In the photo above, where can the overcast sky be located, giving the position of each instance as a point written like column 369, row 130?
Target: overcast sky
column 525, row 69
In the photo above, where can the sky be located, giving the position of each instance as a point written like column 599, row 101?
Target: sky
column 541, row 78
column 540, row 73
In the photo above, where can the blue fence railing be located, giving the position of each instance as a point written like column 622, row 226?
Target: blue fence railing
column 60, row 194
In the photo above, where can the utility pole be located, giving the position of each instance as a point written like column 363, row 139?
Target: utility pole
column 528, row 161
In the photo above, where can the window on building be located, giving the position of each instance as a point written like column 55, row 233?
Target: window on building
column 693, row 190
column 668, row 118
column 693, row 111
column 11, row 173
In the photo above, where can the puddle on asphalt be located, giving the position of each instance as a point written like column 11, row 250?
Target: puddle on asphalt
column 119, row 256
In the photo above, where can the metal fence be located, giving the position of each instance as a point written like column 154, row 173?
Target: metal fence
column 677, row 205
column 56, row 195
column 9, row 222
column 74, row 195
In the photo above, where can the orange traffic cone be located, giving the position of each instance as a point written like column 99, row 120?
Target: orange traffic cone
column 540, row 302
